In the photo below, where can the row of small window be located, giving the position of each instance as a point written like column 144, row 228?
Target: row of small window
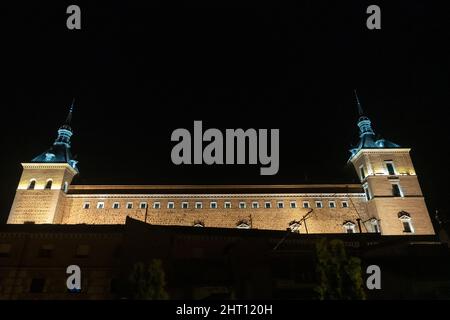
column 390, row 169
column 214, row 205
column 48, row 185
column 396, row 190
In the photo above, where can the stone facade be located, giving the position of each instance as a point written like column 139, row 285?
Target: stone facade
column 302, row 208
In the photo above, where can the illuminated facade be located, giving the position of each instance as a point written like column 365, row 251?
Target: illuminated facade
column 388, row 200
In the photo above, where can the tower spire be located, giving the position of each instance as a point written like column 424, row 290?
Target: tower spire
column 360, row 109
column 69, row 115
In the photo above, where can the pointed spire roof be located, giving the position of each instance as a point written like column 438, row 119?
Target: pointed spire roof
column 360, row 109
column 367, row 138
column 68, row 121
column 60, row 152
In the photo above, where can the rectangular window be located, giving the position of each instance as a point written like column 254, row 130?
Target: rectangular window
column 396, row 192
column 390, row 167
column 267, row 205
column 116, row 205
column 86, row 205
column 255, row 205
column 375, row 227
column 293, row 204
column 362, row 172
column 83, row 251
column 280, row 205
column 227, row 205
column 129, row 205
column 170, row 205
column 143, row 205
column 156, row 205
column 5, row 250
column 185, row 205
column 319, row 204
column 100, row 205
column 366, row 190
column 46, row 251
column 37, row 285
column 242, row 205
column 213, row 205
column 332, row 204
column 305, row 204
column 198, row 205
column 407, row 227
column 344, row 204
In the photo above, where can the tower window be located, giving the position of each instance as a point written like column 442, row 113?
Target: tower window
column 367, row 192
column 198, row 205
column 143, row 205
column 375, row 226
column 170, row 205
column 242, row 205
column 65, row 187
column 267, row 205
column 184, row 205
column 32, row 185
column 390, row 168
column 280, row 205
column 396, row 191
column 362, row 172
column 344, row 204
column 332, row 204
column 406, row 222
column 407, row 226
column 319, row 204
column 293, row 204
column 116, row 205
column 306, row 204
column 213, row 205
column 129, row 205
column 100, row 205
column 227, row 205
column 255, row 205
column 156, row 205
column 86, row 205
column 48, row 185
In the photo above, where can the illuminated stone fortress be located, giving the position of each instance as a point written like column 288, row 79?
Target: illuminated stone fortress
column 388, row 200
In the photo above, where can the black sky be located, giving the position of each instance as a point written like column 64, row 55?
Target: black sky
column 139, row 71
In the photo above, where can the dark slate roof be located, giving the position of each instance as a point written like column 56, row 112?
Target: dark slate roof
column 58, row 153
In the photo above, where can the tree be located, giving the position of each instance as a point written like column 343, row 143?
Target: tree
column 340, row 276
column 147, row 281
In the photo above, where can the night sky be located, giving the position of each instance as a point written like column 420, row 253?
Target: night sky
column 138, row 72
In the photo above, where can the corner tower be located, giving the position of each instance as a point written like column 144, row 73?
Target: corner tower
column 45, row 180
column 394, row 197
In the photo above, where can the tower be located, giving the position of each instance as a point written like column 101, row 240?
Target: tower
column 45, row 180
column 394, row 198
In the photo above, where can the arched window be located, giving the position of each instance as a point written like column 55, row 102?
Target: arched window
column 32, row 184
column 48, row 185
column 65, row 187
column 405, row 218
column 349, row 227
